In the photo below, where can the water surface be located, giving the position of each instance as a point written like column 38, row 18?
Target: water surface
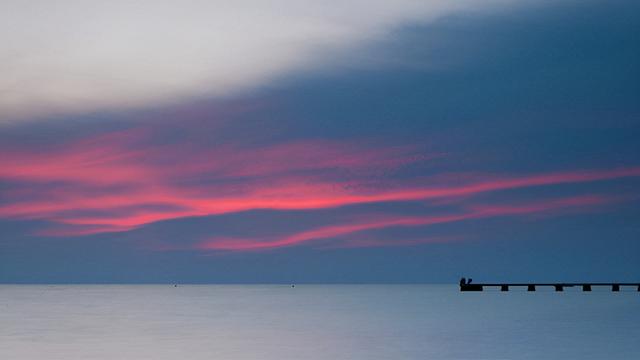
column 313, row 322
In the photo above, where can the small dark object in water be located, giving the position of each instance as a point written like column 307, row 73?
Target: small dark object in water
column 175, row 285
column 292, row 285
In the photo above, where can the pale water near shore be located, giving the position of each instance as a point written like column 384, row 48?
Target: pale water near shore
column 313, row 322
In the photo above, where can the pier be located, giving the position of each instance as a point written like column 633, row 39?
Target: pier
column 556, row 286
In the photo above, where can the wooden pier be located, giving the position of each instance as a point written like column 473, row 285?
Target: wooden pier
column 555, row 286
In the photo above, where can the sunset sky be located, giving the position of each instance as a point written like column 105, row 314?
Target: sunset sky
column 304, row 141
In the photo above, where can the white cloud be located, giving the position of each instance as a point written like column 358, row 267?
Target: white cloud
column 66, row 56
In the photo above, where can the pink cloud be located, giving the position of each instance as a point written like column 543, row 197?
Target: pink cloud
column 87, row 184
column 364, row 224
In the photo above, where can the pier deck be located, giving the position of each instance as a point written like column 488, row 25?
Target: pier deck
column 556, row 286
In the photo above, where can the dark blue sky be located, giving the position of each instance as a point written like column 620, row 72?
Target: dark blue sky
column 500, row 144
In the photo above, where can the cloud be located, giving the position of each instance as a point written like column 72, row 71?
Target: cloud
column 364, row 224
column 76, row 56
column 122, row 181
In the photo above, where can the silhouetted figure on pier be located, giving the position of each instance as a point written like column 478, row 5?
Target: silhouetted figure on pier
column 466, row 285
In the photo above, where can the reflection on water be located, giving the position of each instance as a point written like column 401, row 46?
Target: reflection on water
column 313, row 322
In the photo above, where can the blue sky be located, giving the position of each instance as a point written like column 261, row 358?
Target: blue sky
column 408, row 142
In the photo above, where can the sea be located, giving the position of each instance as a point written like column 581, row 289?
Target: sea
column 314, row 322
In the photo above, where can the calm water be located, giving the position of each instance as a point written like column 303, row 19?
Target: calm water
column 314, row 322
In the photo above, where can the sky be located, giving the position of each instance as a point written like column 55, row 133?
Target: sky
column 319, row 142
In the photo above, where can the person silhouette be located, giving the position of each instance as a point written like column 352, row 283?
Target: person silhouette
column 469, row 281
column 463, row 281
